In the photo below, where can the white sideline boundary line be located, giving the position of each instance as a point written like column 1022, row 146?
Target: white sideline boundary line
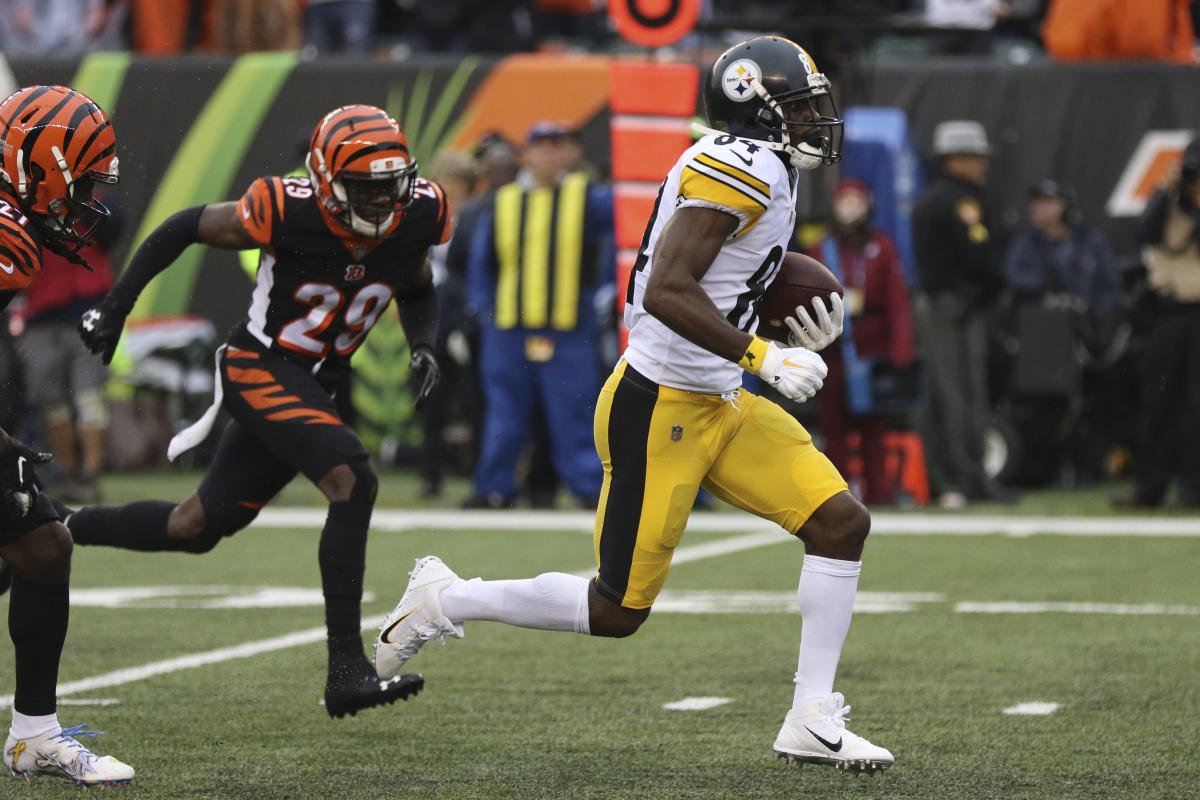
column 882, row 523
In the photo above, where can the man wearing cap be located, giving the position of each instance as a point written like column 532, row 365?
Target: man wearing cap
column 958, row 274
column 538, row 256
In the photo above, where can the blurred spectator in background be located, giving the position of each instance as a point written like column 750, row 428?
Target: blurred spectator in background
column 496, row 161
column 1065, row 294
column 497, row 26
column 169, row 27
column 60, row 28
column 1169, row 426
column 880, row 324
column 456, row 174
column 534, row 268
column 245, row 26
column 569, row 21
column 1152, row 30
column 339, row 26
column 967, row 25
column 957, row 275
column 64, row 382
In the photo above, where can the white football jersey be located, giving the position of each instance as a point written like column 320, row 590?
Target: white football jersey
column 745, row 179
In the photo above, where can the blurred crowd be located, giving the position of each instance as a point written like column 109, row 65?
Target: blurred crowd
column 834, row 29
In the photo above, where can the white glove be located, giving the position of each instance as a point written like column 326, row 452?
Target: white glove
column 795, row 372
column 820, row 334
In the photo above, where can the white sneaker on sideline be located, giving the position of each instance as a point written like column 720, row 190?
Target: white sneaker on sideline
column 60, row 754
column 816, row 733
column 417, row 618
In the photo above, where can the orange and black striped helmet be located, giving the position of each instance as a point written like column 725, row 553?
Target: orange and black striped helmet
column 55, row 144
column 359, row 162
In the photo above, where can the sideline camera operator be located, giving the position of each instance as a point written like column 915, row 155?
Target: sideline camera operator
column 1169, row 427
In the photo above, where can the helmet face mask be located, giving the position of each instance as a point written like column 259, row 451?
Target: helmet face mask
column 361, row 169
column 768, row 89
column 74, row 218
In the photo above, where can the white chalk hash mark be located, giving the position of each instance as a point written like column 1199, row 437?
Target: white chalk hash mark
column 696, row 703
column 1034, row 709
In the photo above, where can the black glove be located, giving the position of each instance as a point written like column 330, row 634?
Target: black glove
column 19, row 487
column 423, row 365
column 100, row 328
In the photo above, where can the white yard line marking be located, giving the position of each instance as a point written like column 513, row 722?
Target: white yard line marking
column 882, row 523
column 218, row 597
column 5, row 702
column 1039, row 709
column 737, row 602
column 248, row 649
column 1151, row 609
column 697, row 703
column 122, row 676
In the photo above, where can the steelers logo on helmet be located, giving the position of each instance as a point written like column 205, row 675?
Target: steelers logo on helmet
column 739, row 78
column 769, row 89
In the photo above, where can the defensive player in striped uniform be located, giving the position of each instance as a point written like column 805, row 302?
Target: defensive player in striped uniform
column 55, row 145
column 336, row 248
column 672, row 416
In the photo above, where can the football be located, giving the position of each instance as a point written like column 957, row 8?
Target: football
column 800, row 279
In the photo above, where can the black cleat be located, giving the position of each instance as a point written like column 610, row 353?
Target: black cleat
column 351, row 694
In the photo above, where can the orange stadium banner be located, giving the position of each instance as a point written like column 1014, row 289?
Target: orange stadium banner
column 652, row 106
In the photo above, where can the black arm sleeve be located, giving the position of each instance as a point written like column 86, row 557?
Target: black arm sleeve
column 157, row 253
column 418, row 309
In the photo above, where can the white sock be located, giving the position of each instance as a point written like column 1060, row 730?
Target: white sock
column 27, row 727
column 826, row 595
column 553, row 601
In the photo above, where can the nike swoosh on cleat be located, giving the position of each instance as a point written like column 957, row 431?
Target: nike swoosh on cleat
column 383, row 637
column 835, row 747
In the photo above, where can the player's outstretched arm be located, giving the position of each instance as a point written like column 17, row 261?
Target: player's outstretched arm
column 217, row 225
column 416, row 303
column 685, row 251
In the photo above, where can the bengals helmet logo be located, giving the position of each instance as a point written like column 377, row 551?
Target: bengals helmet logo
column 355, row 272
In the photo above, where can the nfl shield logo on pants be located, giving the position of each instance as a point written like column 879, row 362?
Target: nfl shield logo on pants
column 676, row 433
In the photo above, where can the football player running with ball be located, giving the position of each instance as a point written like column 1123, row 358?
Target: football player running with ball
column 336, row 248
column 672, row 416
column 55, row 145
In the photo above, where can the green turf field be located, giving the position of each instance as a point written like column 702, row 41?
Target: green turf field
column 520, row 714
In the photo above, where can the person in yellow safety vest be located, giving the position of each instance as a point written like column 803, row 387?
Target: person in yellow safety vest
column 538, row 257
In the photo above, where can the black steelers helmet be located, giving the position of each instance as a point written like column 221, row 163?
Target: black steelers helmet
column 754, row 86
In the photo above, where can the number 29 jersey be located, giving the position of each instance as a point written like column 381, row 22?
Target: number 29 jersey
column 320, row 288
column 751, row 183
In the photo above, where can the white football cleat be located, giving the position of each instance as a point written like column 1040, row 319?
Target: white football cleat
column 417, row 618
column 60, row 754
column 816, row 733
